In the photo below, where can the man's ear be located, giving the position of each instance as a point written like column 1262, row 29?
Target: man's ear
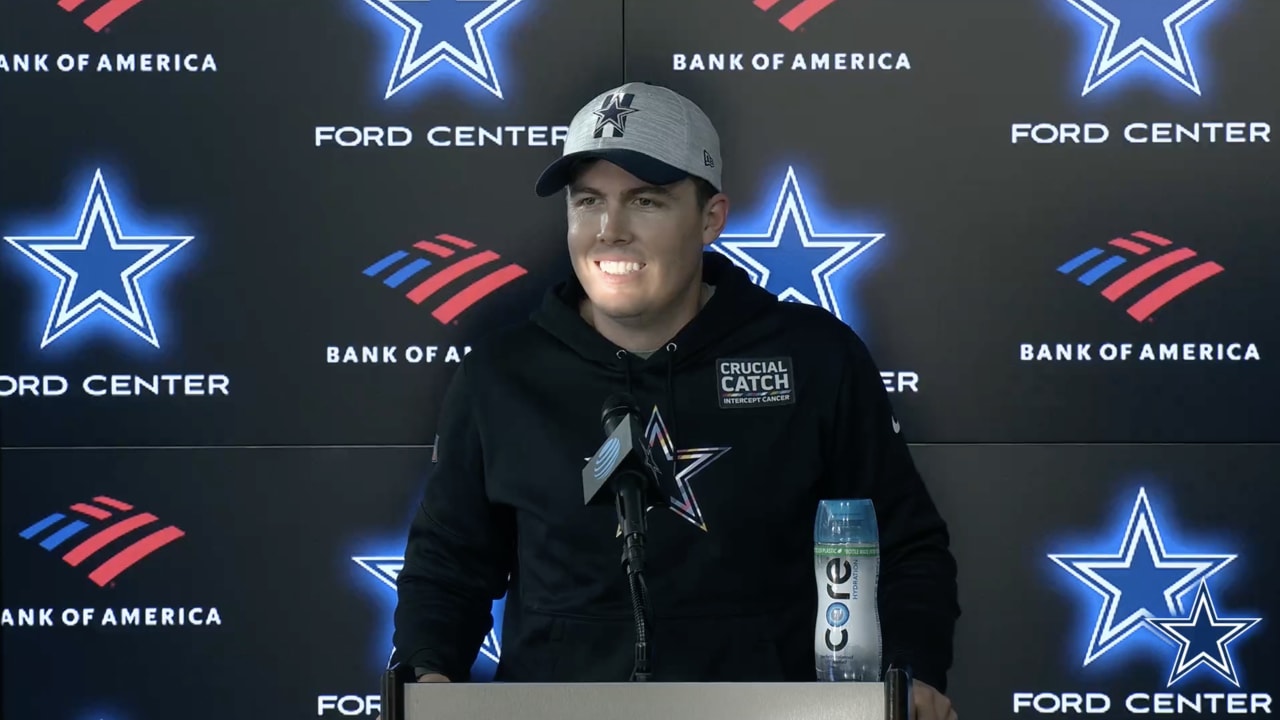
column 714, row 218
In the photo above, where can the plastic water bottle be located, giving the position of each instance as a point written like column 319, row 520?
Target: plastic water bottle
column 846, row 566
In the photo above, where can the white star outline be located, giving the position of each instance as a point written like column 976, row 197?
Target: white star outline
column 386, row 568
column 411, row 65
column 686, row 506
column 1107, row 62
column 98, row 208
column 1223, row 663
column 790, row 207
column 696, row 459
column 1141, row 526
column 1202, row 605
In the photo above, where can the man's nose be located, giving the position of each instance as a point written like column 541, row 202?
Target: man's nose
column 614, row 228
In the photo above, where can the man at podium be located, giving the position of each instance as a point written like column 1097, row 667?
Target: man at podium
column 753, row 410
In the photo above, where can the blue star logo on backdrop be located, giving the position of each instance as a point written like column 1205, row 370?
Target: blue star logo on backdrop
column 1141, row 29
column 437, row 31
column 386, row 568
column 99, row 268
column 789, row 257
column 1208, row 634
column 1141, row 580
column 1143, row 585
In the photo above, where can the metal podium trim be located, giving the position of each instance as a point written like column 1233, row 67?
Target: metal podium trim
column 650, row 701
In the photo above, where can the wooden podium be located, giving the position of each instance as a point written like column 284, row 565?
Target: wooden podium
column 887, row 700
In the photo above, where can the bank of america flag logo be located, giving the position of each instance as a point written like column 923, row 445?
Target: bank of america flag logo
column 1143, row 271
column 785, row 252
column 1145, row 32
column 386, row 568
column 448, row 274
column 796, row 13
column 1144, row 585
column 103, row 13
column 104, row 537
column 429, row 34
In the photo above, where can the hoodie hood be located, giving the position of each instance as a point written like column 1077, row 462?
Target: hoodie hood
column 726, row 320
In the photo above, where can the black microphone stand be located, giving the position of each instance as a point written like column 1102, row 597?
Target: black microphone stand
column 631, row 516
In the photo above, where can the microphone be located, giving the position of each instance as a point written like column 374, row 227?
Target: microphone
column 622, row 470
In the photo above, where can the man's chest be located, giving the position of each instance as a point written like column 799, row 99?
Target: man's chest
column 723, row 472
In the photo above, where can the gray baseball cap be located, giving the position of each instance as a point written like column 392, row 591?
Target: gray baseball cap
column 650, row 131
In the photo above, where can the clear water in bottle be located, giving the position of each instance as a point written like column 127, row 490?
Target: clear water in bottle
column 846, row 566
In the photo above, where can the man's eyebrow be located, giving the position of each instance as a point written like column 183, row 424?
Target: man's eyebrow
column 651, row 190
column 641, row 190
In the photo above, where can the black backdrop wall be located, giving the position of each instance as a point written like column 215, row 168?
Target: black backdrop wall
column 246, row 243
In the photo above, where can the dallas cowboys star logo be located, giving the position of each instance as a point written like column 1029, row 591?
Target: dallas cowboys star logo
column 1141, row 580
column 688, row 463
column 1150, row 30
column 612, row 115
column 99, row 268
column 387, row 568
column 437, row 31
column 791, row 259
column 1208, row 634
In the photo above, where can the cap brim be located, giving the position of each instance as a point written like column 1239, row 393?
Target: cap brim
column 653, row 171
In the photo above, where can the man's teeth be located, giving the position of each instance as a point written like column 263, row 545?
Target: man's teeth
column 611, row 267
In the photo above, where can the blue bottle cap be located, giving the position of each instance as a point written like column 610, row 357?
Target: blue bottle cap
column 848, row 509
column 845, row 520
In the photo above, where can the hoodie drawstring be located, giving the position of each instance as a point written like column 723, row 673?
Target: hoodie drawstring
column 669, row 391
column 671, row 401
column 626, row 367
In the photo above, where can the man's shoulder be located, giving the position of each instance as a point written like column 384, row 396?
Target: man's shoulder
column 813, row 324
column 819, row 340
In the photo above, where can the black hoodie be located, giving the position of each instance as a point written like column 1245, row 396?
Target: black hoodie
column 730, row 575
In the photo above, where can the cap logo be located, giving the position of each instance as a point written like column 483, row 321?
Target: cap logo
column 707, row 160
column 611, row 118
